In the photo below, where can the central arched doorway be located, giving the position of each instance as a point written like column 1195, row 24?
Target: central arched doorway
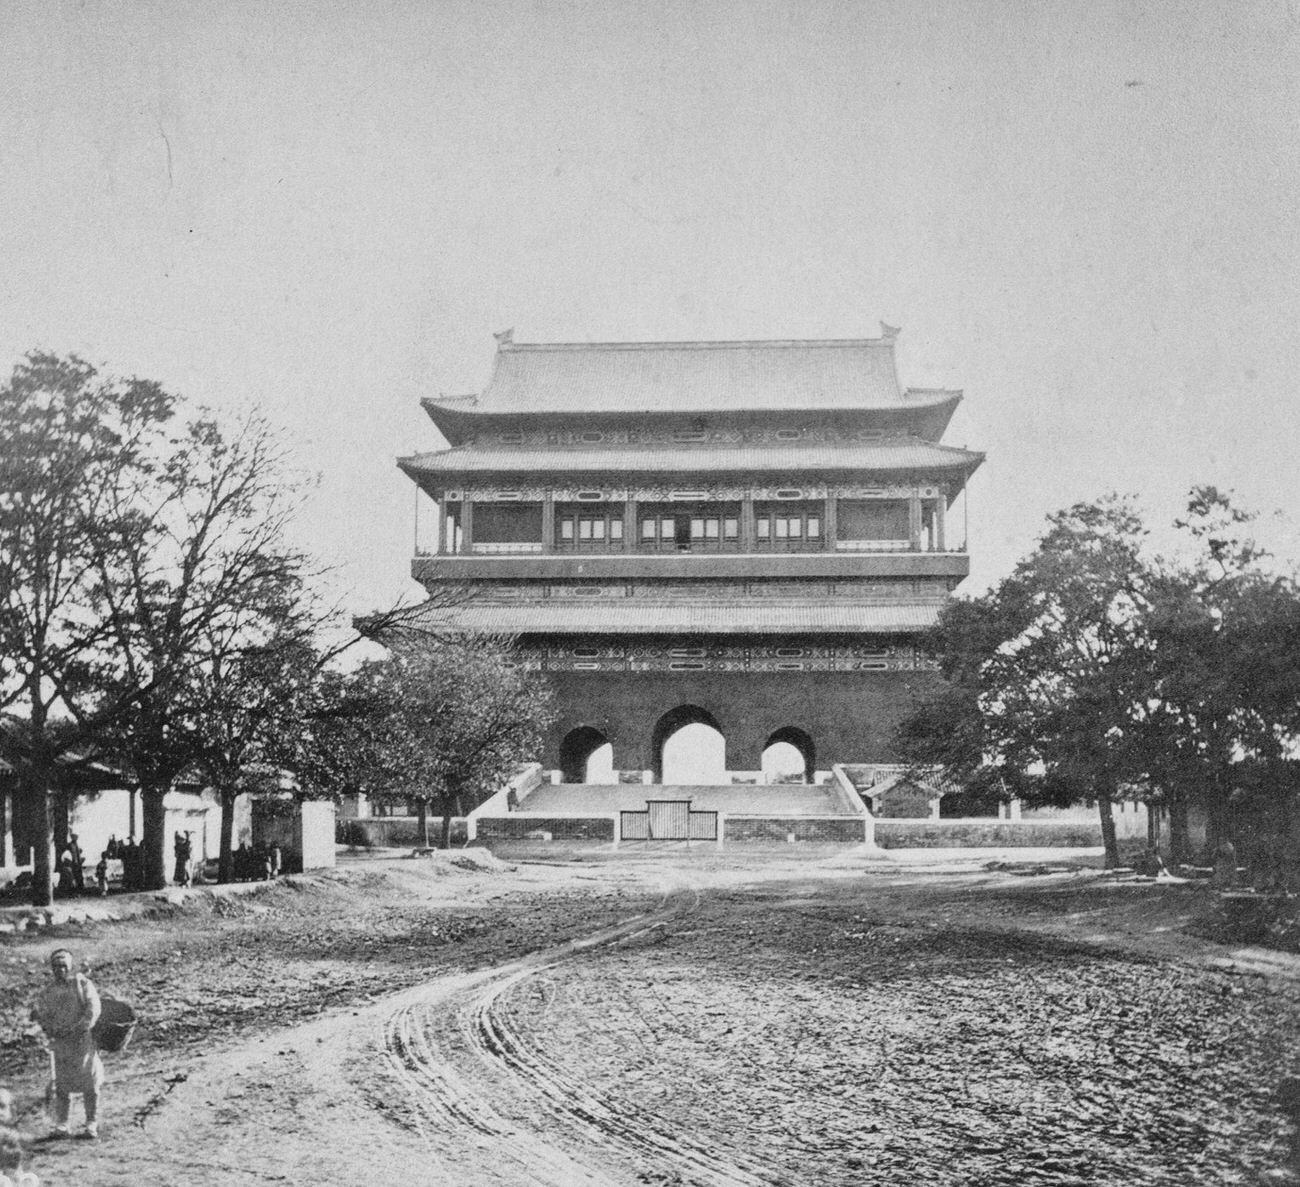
column 586, row 756
column 689, row 748
column 788, row 757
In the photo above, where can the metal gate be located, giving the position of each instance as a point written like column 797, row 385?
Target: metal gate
column 668, row 820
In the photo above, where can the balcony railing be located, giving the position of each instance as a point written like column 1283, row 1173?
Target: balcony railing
column 696, row 547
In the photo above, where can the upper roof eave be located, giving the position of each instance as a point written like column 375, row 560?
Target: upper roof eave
column 905, row 456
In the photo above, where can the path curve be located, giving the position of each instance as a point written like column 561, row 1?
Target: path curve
column 472, row 1079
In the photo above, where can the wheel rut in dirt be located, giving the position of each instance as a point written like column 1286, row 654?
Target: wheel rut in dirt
column 473, row 1079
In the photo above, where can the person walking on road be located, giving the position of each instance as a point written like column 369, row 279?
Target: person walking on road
column 66, row 1010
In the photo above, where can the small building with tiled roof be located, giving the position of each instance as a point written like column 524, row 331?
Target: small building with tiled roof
column 744, row 534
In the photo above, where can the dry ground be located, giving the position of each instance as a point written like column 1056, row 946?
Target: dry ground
column 674, row 1018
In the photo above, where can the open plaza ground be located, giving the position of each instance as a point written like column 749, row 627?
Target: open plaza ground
column 671, row 1016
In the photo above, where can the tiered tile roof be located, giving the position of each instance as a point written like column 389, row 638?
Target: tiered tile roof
column 678, row 617
column 898, row 454
column 695, row 377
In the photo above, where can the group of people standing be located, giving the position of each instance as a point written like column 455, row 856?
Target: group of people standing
column 251, row 863
column 72, row 864
column 131, row 854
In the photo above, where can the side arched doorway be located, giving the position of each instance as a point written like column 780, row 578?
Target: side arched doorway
column 789, row 757
column 586, row 756
column 689, row 747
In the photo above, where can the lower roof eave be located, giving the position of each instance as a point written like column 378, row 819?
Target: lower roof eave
column 674, row 619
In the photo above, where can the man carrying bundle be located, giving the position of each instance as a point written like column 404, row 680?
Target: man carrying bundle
column 66, row 1010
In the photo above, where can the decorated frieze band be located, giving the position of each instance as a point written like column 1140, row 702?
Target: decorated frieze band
column 682, row 434
column 702, row 493
column 730, row 663
column 864, row 591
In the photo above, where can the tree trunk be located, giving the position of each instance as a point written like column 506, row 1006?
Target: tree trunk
column 226, row 856
column 153, row 846
column 1108, row 839
column 424, row 823
column 43, row 850
column 444, row 842
column 1180, row 842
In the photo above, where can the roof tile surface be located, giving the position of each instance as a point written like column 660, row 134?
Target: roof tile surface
column 697, row 377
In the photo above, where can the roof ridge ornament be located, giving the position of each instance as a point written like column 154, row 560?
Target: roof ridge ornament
column 506, row 337
column 890, row 333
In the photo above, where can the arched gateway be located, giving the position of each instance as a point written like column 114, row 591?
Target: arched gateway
column 576, row 752
column 789, row 754
column 701, row 751
column 762, row 528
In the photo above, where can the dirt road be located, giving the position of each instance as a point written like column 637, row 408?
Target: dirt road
column 679, row 1019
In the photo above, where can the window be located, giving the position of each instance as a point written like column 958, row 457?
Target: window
column 709, row 527
column 591, row 438
column 590, row 529
column 789, row 526
column 789, row 434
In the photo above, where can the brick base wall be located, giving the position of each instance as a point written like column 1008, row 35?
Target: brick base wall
column 984, row 834
column 561, row 828
column 780, row 828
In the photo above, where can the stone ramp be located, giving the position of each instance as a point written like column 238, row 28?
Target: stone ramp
column 734, row 799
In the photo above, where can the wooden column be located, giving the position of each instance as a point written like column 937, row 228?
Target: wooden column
column 548, row 522
column 939, row 542
column 830, row 521
column 914, row 520
column 466, row 525
column 441, row 546
column 747, row 541
column 630, row 540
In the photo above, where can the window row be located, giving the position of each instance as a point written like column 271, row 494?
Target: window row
column 879, row 523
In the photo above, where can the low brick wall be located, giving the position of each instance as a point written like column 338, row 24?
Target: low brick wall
column 828, row 830
column 394, row 832
column 516, row 827
column 984, row 834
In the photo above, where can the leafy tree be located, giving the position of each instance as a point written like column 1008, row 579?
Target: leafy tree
column 67, row 437
column 195, row 580
column 248, row 702
column 1223, row 667
column 437, row 723
column 1041, row 688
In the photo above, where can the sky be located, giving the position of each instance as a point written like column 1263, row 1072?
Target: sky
column 1085, row 216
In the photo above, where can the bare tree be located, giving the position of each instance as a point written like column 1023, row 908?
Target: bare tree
column 197, row 574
